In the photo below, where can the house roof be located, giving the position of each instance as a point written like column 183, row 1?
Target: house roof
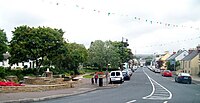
column 165, row 56
column 173, row 56
column 191, row 55
column 170, row 57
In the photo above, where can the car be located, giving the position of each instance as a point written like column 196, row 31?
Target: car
column 167, row 73
column 116, row 76
column 126, row 75
column 156, row 70
column 183, row 78
column 130, row 72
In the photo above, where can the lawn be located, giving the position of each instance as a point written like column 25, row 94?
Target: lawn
column 88, row 76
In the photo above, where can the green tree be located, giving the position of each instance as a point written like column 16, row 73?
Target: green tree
column 29, row 43
column 124, row 52
column 77, row 54
column 103, row 53
column 3, row 44
column 111, row 54
column 95, row 53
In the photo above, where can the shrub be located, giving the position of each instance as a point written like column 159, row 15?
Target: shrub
column 2, row 72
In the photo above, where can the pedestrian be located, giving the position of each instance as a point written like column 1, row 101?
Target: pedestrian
column 96, row 77
column 106, row 76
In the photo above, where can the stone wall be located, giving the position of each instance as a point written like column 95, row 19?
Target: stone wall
column 35, row 88
column 43, row 80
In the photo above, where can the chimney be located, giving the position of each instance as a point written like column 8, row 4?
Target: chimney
column 198, row 48
column 174, row 52
column 166, row 52
column 191, row 50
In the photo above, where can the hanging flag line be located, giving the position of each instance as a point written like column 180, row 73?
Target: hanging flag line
column 134, row 18
column 178, row 41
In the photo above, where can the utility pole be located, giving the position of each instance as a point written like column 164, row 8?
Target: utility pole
column 124, row 44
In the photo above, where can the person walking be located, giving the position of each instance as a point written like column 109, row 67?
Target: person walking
column 96, row 77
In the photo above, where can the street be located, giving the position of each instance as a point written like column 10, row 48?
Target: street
column 145, row 86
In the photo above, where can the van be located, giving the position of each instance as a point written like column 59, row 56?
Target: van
column 116, row 76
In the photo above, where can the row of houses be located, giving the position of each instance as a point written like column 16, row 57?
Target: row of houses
column 189, row 60
column 5, row 63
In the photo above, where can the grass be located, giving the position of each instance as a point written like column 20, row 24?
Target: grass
column 88, row 76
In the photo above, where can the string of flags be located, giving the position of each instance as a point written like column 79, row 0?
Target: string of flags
column 134, row 18
column 178, row 41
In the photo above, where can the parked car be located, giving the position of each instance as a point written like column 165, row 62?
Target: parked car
column 116, row 76
column 167, row 73
column 183, row 78
column 126, row 75
column 156, row 70
column 130, row 72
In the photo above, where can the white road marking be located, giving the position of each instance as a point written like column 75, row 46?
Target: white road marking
column 131, row 101
column 159, row 92
column 165, row 101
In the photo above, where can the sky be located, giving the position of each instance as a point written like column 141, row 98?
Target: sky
column 151, row 26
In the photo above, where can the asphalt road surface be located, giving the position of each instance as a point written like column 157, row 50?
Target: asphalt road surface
column 144, row 87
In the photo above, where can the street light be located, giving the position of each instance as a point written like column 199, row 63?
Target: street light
column 124, row 44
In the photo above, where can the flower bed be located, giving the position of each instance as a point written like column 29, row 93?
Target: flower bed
column 9, row 83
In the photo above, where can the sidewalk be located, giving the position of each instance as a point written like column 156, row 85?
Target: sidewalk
column 196, row 79
column 83, row 86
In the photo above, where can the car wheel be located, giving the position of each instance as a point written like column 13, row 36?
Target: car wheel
column 189, row 82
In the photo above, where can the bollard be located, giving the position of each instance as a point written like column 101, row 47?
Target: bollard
column 100, row 82
column 92, row 80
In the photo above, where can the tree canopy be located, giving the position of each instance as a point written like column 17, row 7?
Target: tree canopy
column 3, row 44
column 30, row 43
column 108, row 52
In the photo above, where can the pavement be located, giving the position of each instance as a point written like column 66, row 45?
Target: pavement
column 196, row 80
column 83, row 86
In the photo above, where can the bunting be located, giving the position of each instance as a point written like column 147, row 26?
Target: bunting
column 178, row 41
column 135, row 18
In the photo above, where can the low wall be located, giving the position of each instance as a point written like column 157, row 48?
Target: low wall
column 35, row 88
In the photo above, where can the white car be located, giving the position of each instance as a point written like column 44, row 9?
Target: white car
column 116, row 76
column 157, row 70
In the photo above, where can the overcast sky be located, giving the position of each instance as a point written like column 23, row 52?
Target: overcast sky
column 151, row 26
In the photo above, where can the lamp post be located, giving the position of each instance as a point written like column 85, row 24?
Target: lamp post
column 124, row 44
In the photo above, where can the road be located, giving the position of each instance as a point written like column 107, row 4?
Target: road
column 144, row 87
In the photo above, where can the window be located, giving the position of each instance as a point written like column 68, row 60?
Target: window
column 117, row 73
column 113, row 74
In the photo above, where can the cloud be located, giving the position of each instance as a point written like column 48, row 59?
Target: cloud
column 82, row 24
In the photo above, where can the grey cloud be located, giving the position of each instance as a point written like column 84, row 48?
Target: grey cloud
column 20, row 17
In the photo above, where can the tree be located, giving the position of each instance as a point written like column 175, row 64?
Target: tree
column 77, row 54
column 29, row 43
column 112, row 56
column 103, row 53
column 3, row 44
column 95, row 53
column 124, row 52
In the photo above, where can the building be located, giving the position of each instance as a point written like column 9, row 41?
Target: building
column 164, row 60
column 5, row 63
column 191, row 63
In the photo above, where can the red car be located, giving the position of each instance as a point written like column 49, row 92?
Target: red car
column 167, row 73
